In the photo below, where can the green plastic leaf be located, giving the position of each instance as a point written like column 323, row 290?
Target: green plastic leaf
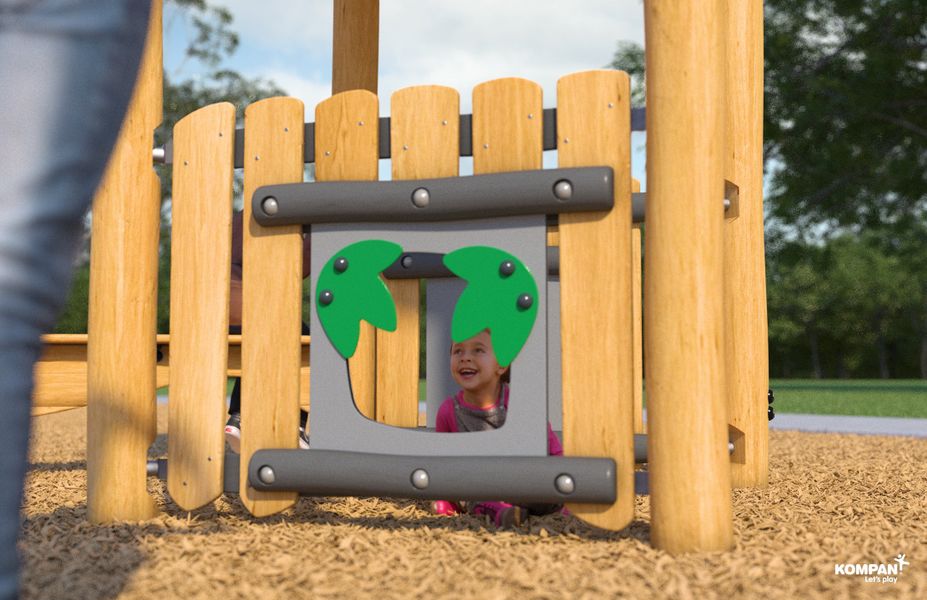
column 491, row 299
column 349, row 290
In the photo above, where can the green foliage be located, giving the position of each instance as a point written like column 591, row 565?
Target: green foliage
column 874, row 398
column 355, row 292
column 491, row 299
column 74, row 317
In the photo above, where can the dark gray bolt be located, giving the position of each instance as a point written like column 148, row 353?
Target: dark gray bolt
column 506, row 268
column 341, row 264
column 326, row 297
column 421, row 197
column 406, row 262
column 563, row 190
column 525, row 301
column 565, row 484
column 420, row 479
column 266, row 474
column 270, row 206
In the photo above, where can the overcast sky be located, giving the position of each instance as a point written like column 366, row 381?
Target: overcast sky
column 446, row 42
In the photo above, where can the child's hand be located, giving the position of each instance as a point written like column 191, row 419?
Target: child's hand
column 443, row 507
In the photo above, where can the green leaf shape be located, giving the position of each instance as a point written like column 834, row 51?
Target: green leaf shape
column 358, row 293
column 490, row 300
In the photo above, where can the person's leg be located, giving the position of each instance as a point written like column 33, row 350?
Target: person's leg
column 67, row 69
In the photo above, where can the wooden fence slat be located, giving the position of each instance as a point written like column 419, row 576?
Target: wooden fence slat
column 271, row 297
column 594, row 128
column 122, row 312
column 689, row 466
column 507, row 126
column 425, row 143
column 201, row 250
column 746, row 334
column 637, row 322
column 346, row 138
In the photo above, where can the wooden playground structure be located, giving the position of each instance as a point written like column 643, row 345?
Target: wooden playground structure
column 704, row 342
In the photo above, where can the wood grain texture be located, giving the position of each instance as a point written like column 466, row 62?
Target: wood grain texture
column 594, row 128
column 201, row 250
column 425, row 143
column 272, row 297
column 690, row 474
column 507, row 126
column 121, row 417
column 637, row 323
column 746, row 341
column 355, row 45
column 346, row 138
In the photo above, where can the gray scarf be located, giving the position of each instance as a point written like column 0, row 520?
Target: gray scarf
column 480, row 420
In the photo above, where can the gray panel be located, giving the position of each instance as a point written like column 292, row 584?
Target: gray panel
column 516, row 478
column 336, row 423
column 554, row 381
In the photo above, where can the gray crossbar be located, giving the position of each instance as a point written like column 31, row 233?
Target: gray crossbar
column 513, row 478
column 548, row 191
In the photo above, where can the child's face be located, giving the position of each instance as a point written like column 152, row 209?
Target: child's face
column 474, row 365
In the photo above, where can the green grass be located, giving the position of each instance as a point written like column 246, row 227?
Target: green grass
column 863, row 397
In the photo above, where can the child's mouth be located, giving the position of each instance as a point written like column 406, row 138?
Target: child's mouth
column 467, row 373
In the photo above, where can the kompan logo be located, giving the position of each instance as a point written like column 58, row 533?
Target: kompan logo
column 874, row 572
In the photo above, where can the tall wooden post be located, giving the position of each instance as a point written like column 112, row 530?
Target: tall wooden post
column 746, row 336
column 684, row 346
column 121, row 401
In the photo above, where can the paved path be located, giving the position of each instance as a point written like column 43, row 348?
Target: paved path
column 843, row 424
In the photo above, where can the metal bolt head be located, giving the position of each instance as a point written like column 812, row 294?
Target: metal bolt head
column 420, row 479
column 525, row 301
column 270, row 206
column 341, row 264
column 563, row 190
column 421, row 197
column 565, row 484
column 326, row 297
column 506, row 268
column 406, row 262
column 266, row 474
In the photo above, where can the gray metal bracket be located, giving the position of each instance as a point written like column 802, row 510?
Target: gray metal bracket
column 543, row 191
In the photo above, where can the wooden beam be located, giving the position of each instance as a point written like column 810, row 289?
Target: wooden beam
column 355, row 45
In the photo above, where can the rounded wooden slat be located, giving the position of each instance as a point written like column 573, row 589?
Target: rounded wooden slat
column 122, row 312
column 690, row 475
column 746, row 336
column 346, row 149
column 271, row 297
column 425, row 143
column 594, row 128
column 201, row 250
column 508, row 126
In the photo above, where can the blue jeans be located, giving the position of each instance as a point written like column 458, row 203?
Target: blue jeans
column 67, row 69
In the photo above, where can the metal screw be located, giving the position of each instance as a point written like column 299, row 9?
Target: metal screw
column 486, row 146
column 185, row 163
column 563, row 190
column 421, row 197
column 420, row 479
column 270, row 206
column 257, row 157
column 266, row 474
column 327, row 153
column 530, row 115
column 404, row 147
column 611, row 105
column 406, row 262
column 565, row 484
column 506, row 268
column 286, row 129
column 326, row 297
column 341, row 264
column 444, row 122
column 221, row 134
column 360, row 123
column 566, row 140
column 525, row 301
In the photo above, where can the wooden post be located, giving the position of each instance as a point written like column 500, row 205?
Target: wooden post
column 355, row 45
column 746, row 336
column 684, row 346
column 122, row 313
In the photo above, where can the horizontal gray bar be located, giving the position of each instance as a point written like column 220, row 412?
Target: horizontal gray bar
column 515, row 479
column 445, row 199
column 638, row 123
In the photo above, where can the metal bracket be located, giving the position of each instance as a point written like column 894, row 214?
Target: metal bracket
column 548, row 191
